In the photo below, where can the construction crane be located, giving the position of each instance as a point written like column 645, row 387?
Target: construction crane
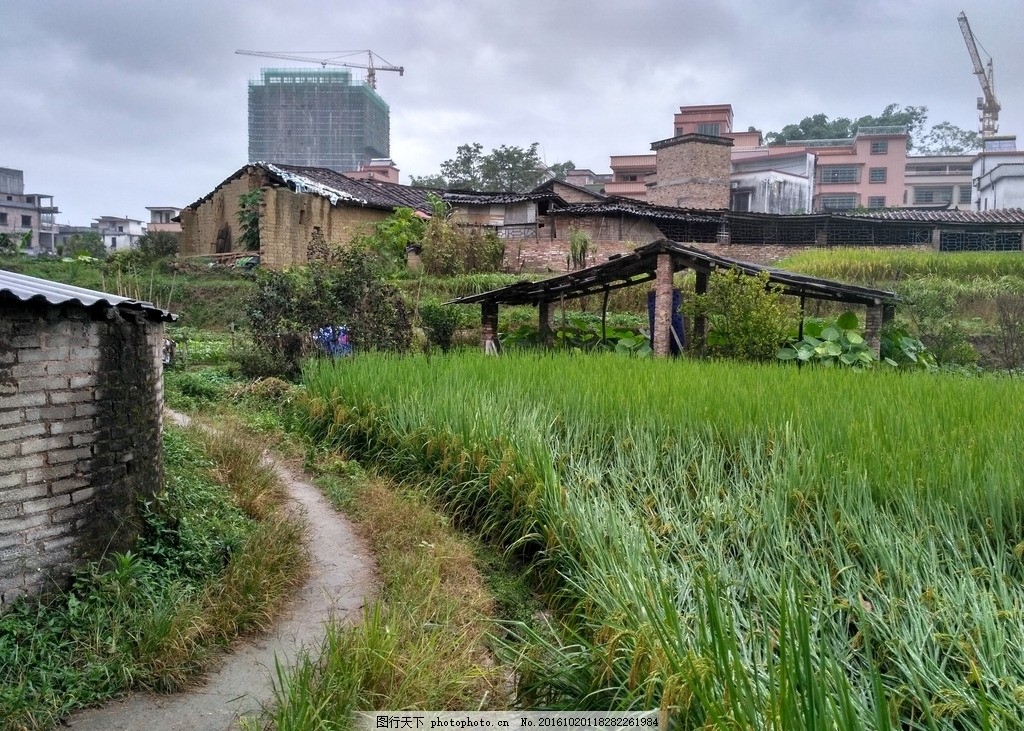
column 987, row 104
column 371, row 68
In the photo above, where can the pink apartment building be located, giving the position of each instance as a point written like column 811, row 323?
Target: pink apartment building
column 865, row 171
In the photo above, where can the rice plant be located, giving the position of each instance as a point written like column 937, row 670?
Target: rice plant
column 741, row 546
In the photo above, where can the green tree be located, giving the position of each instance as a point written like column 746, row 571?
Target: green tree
column 946, row 138
column 507, row 169
column 820, row 127
column 8, row 245
column 89, row 243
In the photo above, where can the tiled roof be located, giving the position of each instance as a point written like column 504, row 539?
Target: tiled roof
column 32, row 289
column 643, row 210
column 1014, row 216
column 342, row 190
column 469, row 197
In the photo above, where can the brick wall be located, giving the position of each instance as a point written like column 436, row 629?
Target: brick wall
column 80, row 430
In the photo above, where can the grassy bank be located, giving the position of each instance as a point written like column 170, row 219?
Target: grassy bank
column 749, row 546
column 216, row 558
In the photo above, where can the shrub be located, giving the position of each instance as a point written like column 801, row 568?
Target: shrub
column 747, row 318
column 450, row 250
column 440, row 322
column 288, row 306
column 157, row 245
column 928, row 313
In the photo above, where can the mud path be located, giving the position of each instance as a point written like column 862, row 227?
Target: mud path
column 341, row 581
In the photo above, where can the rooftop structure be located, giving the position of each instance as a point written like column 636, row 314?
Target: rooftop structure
column 316, row 118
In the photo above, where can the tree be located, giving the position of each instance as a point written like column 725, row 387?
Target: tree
column 89, row 243
column 820, row 127
column 946, row 138
column 507, row 169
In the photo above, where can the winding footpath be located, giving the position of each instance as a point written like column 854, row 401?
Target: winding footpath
column 341, row 581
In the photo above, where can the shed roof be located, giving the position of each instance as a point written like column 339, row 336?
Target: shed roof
column 641, row 266
column 23, row 288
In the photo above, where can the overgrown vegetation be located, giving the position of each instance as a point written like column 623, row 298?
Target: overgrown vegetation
column 747, row 318
column 450, row 250
column 215, row 560
column 287, row 307
column 249, row 219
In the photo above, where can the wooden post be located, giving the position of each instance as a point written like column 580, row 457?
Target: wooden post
column 489, row 327
column 873, row 327
column 700, row 322
column 663, row 306
column 544, row 330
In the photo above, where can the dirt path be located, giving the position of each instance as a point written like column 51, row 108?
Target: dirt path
column 341, row 581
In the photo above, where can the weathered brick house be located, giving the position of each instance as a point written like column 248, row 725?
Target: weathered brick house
column 81, row 394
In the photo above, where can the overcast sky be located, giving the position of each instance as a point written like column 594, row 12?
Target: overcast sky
column 112, row 106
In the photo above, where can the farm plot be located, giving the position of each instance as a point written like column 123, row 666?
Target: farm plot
column 743, row 546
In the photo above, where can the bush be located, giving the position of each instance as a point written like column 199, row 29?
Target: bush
column 288, row 306
column 747, row 318
column 440, row 322
column 157, row 245
column 450, row 250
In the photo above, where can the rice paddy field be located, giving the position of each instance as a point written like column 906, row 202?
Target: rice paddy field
column 742, row 546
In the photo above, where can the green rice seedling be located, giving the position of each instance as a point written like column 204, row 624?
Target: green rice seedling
column 865, row 523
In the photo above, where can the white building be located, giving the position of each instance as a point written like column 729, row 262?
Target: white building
column 119, row 232
column 772, row 180
column 999, row 174
column 160, row 219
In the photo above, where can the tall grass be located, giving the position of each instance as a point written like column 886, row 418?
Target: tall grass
column 883, row 265
column 747, row 547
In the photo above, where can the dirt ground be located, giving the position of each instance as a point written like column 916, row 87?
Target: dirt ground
column 341, row 582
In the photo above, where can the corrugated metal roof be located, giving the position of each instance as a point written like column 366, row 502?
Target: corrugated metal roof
column 28, row 289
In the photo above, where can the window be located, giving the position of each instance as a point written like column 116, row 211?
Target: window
column 965, row 194
column 3, row 219
column 877, row 175
column 741, row 200
column 933, row 194
column 709, row 128
column 26, row 221
column 876, row 201
column 113, row 242
column 30, row 199
column 839, row 174
column 879, row 147
column 839, row 202
column 120, row 229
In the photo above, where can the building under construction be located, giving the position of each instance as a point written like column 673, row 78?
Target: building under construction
column 316, row 118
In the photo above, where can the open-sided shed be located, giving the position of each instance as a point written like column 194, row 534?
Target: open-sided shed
column 660, row 261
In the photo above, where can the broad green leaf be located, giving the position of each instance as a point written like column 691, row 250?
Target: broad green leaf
column 831, row 334
column 848, row 321
column 854, row 338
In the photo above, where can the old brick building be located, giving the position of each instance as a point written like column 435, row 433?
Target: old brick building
column 691, row 171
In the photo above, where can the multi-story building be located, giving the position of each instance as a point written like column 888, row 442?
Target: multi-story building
column 939, row 181
column 316, row 118
column 27, row 217
column 161, row 218
column 865, row 171
column 999, row 174
column 382, row 169
column 119, row 232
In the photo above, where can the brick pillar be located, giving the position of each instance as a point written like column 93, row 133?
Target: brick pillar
column 873, row 327
column 662, row 306
column 544, row 323
column 489, row 327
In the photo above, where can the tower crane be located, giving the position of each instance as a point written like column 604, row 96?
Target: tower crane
column 988, row 105
column 371, row 68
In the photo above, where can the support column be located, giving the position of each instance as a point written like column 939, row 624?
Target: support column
column 873, row 327
column 663, row 306
column 544, row 330
column 489, row 328
column 700, row 322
